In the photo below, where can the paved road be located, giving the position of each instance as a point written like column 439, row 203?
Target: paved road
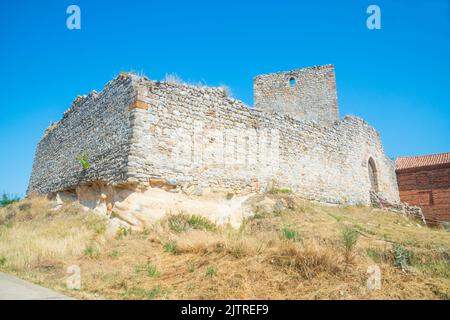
column 13, row 288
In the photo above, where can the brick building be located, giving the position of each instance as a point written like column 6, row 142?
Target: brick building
column 425, row 181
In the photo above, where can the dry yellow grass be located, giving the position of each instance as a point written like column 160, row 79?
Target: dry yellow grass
column 295, row 254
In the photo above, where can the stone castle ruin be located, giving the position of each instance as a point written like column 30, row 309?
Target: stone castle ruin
column 151, row 147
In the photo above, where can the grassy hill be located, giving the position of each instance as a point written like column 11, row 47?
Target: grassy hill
column 302, row 251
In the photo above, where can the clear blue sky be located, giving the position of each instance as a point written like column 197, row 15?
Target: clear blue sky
column 397, row 78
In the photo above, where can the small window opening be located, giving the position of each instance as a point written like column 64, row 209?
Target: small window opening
column 292, row 82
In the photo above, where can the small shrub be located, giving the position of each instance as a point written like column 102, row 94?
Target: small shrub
column 211, row 271
column 289, row 234
column 83, row 158
column 349, row 237
column 171, row 247
column 90, row 251
column 402, row 257
column 122, row 232
column 2, row 261
column 8, row 199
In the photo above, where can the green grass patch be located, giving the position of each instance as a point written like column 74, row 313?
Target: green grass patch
column 90, row 251
column 149, row 269
column 211, row 271
column 439, row 268
column 377, row 255
column 154, row 292
column 435, row 263
column 290, row 234
column 114, row 254
column 280, row 191
column 171, row 247
column 181, row 222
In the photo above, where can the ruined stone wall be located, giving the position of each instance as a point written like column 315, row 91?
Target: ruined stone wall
column 305, row 94
column 138, row 131
column 198, row 137
column 97, row 124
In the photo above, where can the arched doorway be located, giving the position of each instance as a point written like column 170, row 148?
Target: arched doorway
column 373, row 175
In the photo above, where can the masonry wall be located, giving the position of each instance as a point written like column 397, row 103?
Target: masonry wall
column 98, row 124
column 197, row 136
column 305, row 94
column 429, row 188
column 136, row 130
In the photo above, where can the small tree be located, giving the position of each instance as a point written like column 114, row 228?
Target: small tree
column 7, row 199
column 349, row 237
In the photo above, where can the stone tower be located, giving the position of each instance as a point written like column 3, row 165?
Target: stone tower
column 305, row 94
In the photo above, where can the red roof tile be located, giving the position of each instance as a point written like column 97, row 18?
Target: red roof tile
column 422, row 161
